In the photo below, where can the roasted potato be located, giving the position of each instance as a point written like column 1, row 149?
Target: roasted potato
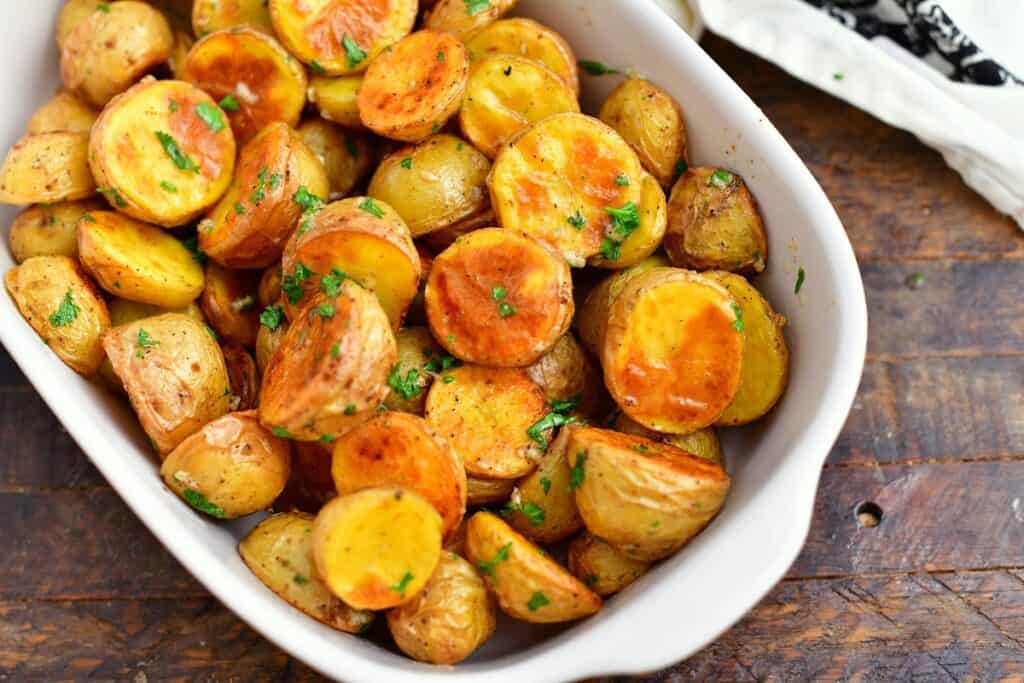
column 63, row 306
column 209, row 16
column 138, row 262
column 337, row 99
column 269, row 291
column 433, row 185
column 376, row 548
column 161, row 152
column 466, row 19
column 268, row 340
column 251, row 75
column 543, row 507
column 420, row 361
column 601, row 567
column 411, row 91
column 64, row 112
column 439, row 240
column 183, row 43
column 645, row 239
column 529, row 39
column 347, row 156
column 174, row 374
column 123, row 311
column 703, row 443
column 566, row 373
column 243, row 377
column 505, row 94
column 230, row 468
column 229, row 303
column 48, row 229
column 497, row 297
column 449, row 619
column 71, row 15
column 481, row 491
column 714, row 223
column 311, row 485
column 47, row 168
column 528, row 584
column 644, row 497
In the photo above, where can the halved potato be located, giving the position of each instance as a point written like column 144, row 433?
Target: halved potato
column 703, row 443
column 466, row 19
column 364, row 240
column 47, row 168
column 243, row 376
column 507, row 93
column 63, row 306
column 529, row 39
column 674, row 378
column 64, row 112
column 411, row 91
column 601, row 567
column 279, row 551
column 347, row 156
column 209, row 16
column 646, row 238
column 528, row 584
column 570, row 181
column 138, row 262
column 230, row 468
column 481, row 491
column 420, row 361
column 330, row 372
column 162, row 152
column 377, row 548
column 484, row 414
column 340, row 37
column 543, row 507
column 174, row 374
column 251, row 75
column 268, row 340
column 498, row 297
column 48, row 229
column 337, row 99
column 229, row 303
column 566, row 373
column 433, row 185
column 311, row 485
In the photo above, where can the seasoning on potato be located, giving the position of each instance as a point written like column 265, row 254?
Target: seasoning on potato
column 347, row 156
column 209, row 16
column 703, row 443
column 65, row 112
column 566, row 373
column 645, row 239
column 601, row 567
column 420, row 361
column 465, row 19
column 530, row 39
column 229, row 303
column 542, row 506
column 49, row 229
column 47, row 168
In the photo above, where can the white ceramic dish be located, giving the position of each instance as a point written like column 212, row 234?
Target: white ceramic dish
column 690, row 599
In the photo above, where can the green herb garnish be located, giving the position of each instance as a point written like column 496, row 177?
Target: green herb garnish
column 557, row 417
column 330, row 284
column 487, row 568
column 577, row 474
column 200, row 502
column 271, row 317
column 800, row 280
column 291, row 285
column 738, row 323
column 66, row 313
column 597, row 68
column 180, row 159
column 142, row 342
column 625, row 220
column 211, row 116
column 621, row 180
column 113, row 195
column 475, row 7
column 407, row 163
column 720, row 179
column 403, row 584
column 577, row 221
column 282, row 433
column 309, row 202
column 407, row 387
column 326, row 311
column 537, row 600
column 545, row 484
column 355, row 54
column 173, row 189
column 531, row 511
column 370, row 206
column 229, row 103
column 351, row 409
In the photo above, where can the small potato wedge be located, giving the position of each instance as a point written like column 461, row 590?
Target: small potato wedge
column 410, row 92
column 138, row 262
column 645, row 239
column 449, row 619
column 529, row 39
column 310, row 486
column 209, row 16
column 601, row 567
column 243, row 376
column 480, row 491
column 543, row 507
column 47, row 168
column 279, row 551
column 528, row 584
column 64, row 307
column 64, row 112
column 378, row 547
column 644, row 497
column 230, row 468
column 48, row 229
column 174, row 374
column 566, row 373
column 229, row 303
column 703, row 443
column 466, row 19
column 497, row 297
column 347, row 156
column 337, row 99
column 420, row 360
column 484, row 415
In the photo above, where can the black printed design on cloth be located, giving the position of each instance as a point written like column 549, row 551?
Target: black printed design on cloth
column 923, row 28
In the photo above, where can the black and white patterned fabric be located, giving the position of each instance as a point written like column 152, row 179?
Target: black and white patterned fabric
column 926, row 30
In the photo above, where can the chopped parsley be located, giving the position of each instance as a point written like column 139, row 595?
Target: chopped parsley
column 506, row 309
column 239, row 209
column 837, row 76
column 169, row 186
column 370, row 206
column 577, row 221
column 720, row 179
column 625, row 220
column 407, row 162
column 448, row 379
column 640, row 448
column 113, row 195
column 259, row 194
column 440, row 55
column 142, row 342
column 200, row 502
column 351, row 409
column 912, row 281
column 282, row 433
column 621, row 180
column 498, row 294
column 545, row 484
column 557, row 417
column 211, row 116
column 330, row 284
column 681, row 167
column 229, row 103
column 441, row 362
column 355, row 54
column 403, row 584
column 531, row 511
column 738, row 323
column 326, row 311
column 308, row 201
column 475, row 7
column 597, row 68
column 350, row 145
column 192, row 244
column 537, row 600
column 103, row 7
column 173, row 106
column 66, row 313
column 87, row 218
column 335, row 350
column 300, row 579
column 487, row 568
column 326, row 438
column 174, row 152
column 317, row 67
column 407, row 387
column 291, row 285
column 577, row 474
column 800, row 280
column 590, row 580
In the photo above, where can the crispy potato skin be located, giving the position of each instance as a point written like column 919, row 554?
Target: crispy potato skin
column 408, row 92
column 517, row 580
column 279, row 551
column 449, row 619
column 601, row 567
column 243, row 377
column 547, row 489
column 416, row 346
column 48, row 230
column 453, row 17
column 645, row 498
column 126, row 156
column 310, row 486
column 484, row 414
column 64, row 112
column 234, row 463
column 39, row 286
column 229, row 303
column 327, row 365
column 529, row 39
column 378, row 547
column 703, row 443
column 209, row 16
column 138, row 262
column 713, row 227
column 566, row 372
column 646, row 239
column 176, row 381
column 650, row 120
column 47, row 168
column 480, row 491
column 499, row 298
column 252, row 66
column 347, row 156
column 107, row 51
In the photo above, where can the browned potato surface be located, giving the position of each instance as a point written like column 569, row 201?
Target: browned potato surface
column 209, row 16
column 64, row 112
column 229, row 303
column 48, row 229
column 347, row 156
column 268, row 340
column 480, row 491
column 337, row 99
column 243, row 377
column 527, row 38
column 466, row 19
column 311, row 485
column 601, row 567
column 543, row 507
column 566, row 373
column 420, row 361
column 592, row 316
column 47, row 168
column 269, row 291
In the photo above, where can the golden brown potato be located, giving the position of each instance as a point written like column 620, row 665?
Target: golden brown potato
column 497, row 297
column 571, row 181
column 765, row 354
column 138, row 262
column 646, row 238
column 433, row 185
column 528, row 584
column 449, row 619
column 650, row 120
column 109, row 50
column 347, row 156
column 674, row 378
column 279, row 179
column 64, row 112
column 243, row 376
column 340, row 37
column 174, row 374
column 484, row 414
column 466, row 19
column 279, row 551
column 230, row 468
column 439, row 240
column 47, row 168
column 330, row 372
column 480, row 491
column 63, row 306
column 357, row 238
column 183, row 43
column 123, row 311
column 162, row 152
column 644, row 497
column 402, row 450
column 411, row 91
column 703, row 443
column 310, row 486
column 71, row 15
column 209, row 16
column 543, row 507
column 529, row 39
column 48, row 229
column 601, row 567
column 420, row 361
column 269, row 291
column 566, row 373
column 229, row 303
column 714, row 223
column 251, row 75
column 336, row 98
column 268, row 340
column 377, row 548
column 505, row 94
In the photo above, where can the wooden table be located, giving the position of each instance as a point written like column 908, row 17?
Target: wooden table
column 935, row 591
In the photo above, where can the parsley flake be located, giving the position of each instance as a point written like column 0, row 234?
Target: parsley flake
column 537, row 600
column 545, row 484
column 531, row 511
column 142, row 342
column 720, row 179
column 281, row 432
column 174, row 152
column 681, row 168
column 407, row 387
column 291, row 285
column 370, row 206
column 355, row 54
column 200, row 502
column 621, row 180
column 625, row 220
column 800, row 280
column 300, row 579
column 487, row 568
column 330, row 284
column 317, row 67
column 309, row 202
column 577, row 221
column 403, row 584
column 326, row 311
column 229, row 103
column 577, row 474
column 173, row 189
column 506, row 310
column 597, row 68
column 211, row 116
column 557, row 417
column 66, row 313
column 113, row 195
column 475, row 7
column 738, row 323
column 498, row 294
column 271, row 317
column 407, row 163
